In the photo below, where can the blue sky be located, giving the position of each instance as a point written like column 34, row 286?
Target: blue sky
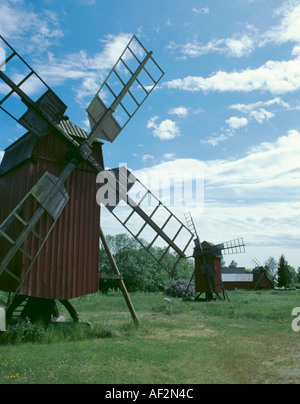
column 226, row 110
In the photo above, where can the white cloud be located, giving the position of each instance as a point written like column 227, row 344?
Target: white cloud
column 266, row 167
column 248, row 108
column 147, row 157
column 87, row 71
column 244, row 43
column 261, row 115
column 236, row 123
column 169, row 156
column 201, row 10
column 277, row 77
column 236, row 46
column 256, row 196
column 296, row 51
column 42, row 26
column 288, row 29
column 215, row 140
column 181, row 112
column 166, row 130
column 257, row 110
column 239, row 46
column 266, row 172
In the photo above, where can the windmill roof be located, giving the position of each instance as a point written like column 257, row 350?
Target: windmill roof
column 68, row 126
column 73, row 130
column 22, row 148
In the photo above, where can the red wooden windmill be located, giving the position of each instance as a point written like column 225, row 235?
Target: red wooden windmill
column 49, row 236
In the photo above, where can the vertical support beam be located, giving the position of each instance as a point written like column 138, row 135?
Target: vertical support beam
column 121, row 282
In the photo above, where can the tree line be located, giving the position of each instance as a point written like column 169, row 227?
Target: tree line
column 143, row 273
column 287, row 275
column 279, row 272
column 139, row 270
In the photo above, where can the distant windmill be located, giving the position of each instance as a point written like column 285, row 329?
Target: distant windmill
column 208, row 271
column 256, row 263
column 261, row 277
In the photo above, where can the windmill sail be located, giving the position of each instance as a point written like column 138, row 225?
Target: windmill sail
column 50, row 197
column 25, row 96
column 130, row 82
column 256, row 263
column 236, row 246
column 145, row 216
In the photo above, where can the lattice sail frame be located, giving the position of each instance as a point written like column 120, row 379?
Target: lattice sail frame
column 23, row 78
column 144, row 216
column 236, row 246
column 26, row 98
column 51, row 197
column 130, row 82
column 255, row 262
column 190, row 223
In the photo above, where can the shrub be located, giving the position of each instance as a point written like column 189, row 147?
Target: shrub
column 22, row 332
column 179, row 289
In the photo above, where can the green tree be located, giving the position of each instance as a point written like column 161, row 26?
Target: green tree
column 293, row 275
column 233, row 264
column 298, row 276
column 284, row 274
column 271, row 267
column 140, row 271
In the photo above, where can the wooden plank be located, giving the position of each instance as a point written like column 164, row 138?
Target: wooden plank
column 12, row 275
column 18, row 217
column 155, row 227
column 110, row 276
column 117, row 272
column 7, row 237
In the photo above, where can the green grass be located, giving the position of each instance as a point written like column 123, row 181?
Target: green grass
column 247, row 340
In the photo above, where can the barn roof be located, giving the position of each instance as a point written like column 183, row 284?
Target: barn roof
column 230, row 270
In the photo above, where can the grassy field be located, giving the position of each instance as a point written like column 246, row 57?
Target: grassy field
column 248, row 340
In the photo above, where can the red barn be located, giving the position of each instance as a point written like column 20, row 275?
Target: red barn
column 238, row 278
column 68, row 265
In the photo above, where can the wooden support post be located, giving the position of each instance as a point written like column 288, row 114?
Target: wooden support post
column 120, row 280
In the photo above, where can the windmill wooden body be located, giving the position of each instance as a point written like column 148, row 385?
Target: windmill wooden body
column 67, row 266
column 208, row 272
column 208, row 268
column 49, row 235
